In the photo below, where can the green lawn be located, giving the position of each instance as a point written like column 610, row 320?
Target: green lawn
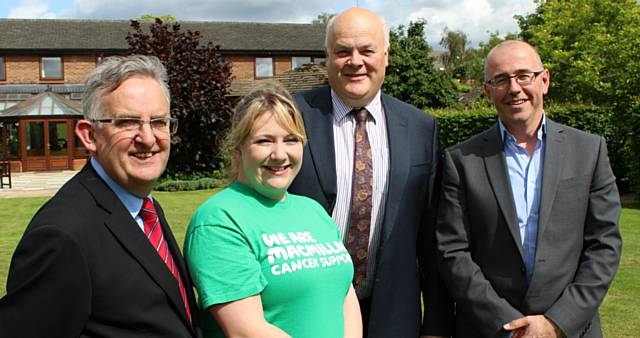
column 619, row 312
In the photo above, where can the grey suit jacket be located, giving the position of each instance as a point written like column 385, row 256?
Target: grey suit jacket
column 578, row 243
column 406, row 263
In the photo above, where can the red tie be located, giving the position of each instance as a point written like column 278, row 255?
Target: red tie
column 361, row 191
column 153, row 230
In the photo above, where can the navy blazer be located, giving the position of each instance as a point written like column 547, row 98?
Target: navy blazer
column 83, row 268
column 406, row 263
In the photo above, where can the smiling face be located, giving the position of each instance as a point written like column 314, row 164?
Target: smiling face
column 357, row 56
column 136, row 159
column 518, row 106
column 270, row 158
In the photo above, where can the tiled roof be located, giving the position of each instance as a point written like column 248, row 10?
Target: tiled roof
column 302, row 78
column 109, row 35
column 43, row 104
column 39, row 88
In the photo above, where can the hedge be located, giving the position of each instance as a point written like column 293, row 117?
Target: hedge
column 624, row 149
column 456, row 126
column 184, row 185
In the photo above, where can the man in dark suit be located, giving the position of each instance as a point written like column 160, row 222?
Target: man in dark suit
column 99, row 259
column 373, row 170
column 528, row 223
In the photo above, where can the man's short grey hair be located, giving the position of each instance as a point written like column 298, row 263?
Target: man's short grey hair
column 328, row 33
column 115, row 70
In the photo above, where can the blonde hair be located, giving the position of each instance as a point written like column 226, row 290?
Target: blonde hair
column 272, row 98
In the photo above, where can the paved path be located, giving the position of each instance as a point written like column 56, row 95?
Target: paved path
column 36, row 183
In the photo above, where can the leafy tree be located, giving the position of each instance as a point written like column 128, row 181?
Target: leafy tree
column 199, row 78
column 323, row 18
column 455, row 42
column 152, row 18
column 474, row 57
column 591, row 48
column 411, row 75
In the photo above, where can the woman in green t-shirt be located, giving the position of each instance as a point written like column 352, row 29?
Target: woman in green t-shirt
column 267, row 263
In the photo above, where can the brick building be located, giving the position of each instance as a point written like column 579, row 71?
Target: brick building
column 54, row 56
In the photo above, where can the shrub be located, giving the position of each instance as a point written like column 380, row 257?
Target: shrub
column 624, row 147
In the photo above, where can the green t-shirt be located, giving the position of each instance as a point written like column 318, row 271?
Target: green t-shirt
column 240, row 243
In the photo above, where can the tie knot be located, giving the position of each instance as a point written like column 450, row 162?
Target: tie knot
column 147, row 210
column 361, row 114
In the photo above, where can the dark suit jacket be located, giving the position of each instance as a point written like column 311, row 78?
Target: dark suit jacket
column 83, row 268
column 406, row 258
column 578, row 243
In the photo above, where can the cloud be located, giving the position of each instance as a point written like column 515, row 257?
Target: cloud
column 31, row 9
column 476, row 18
column 216, row 10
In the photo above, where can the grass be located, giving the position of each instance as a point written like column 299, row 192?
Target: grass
column 619, row 313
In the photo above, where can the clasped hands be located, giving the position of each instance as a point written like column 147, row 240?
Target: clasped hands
column 537, row 326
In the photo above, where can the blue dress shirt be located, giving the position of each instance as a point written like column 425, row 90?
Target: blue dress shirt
column 525, row 175
column 130, row 201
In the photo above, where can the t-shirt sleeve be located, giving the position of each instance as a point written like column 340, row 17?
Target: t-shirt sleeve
column 223, row 265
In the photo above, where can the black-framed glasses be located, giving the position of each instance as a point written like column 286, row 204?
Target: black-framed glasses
column 523, row 79
column 167, row 125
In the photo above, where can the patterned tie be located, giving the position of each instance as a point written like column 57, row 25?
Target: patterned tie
column 361, row 190
column 153, row 230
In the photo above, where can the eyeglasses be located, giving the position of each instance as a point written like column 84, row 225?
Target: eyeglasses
column 523, row 79
column 166, row 125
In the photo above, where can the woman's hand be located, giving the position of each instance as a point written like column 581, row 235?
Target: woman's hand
column 244, row 318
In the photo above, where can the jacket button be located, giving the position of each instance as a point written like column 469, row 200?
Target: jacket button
column 522, row 269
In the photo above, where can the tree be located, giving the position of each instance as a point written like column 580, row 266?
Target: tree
column 199, row 79
column 323, row 18
column 474, row 57
column 591, row 48
column 411, row 75
column 455, row 42
column 152, row 18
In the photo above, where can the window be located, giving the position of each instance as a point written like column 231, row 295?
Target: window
column 297, row 61
column 2, row 72
column 51, row 68
column 320, row 61
column 264, row 67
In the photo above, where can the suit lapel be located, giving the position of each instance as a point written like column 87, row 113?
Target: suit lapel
column 552, row 167
column 133, row 240
column 493, row 151
column 398, row 136
column 321, row 144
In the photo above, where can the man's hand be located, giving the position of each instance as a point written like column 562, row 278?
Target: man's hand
column 537, row 326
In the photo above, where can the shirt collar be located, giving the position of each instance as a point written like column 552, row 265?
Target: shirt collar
column 506, row 135
column 130, row 201
column 341, row 109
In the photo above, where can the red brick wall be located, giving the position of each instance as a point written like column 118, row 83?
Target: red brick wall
column 76, row 67
column 282, row 64
column 242, row 66
column 25, row 68
column 22, row 68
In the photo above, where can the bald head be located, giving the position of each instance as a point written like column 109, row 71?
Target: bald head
column 355, row 16
column 509, row 47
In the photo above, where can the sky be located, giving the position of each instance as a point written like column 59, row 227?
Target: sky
column 476, row 18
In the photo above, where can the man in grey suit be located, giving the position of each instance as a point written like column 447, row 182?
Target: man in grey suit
column 527, row 228
column 388, row 216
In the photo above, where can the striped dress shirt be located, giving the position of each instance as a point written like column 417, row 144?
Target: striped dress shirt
column 344, row 125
